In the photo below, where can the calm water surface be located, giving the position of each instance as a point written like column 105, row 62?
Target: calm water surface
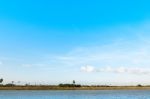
column 107, row 94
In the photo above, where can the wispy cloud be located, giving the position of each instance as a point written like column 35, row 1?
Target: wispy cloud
column 124, row 52
column 88, row 69
column 118, row 54
column 33, row 65
column 121, row 56
column 132, row 70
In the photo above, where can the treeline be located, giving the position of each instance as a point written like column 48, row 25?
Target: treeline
column 7, row 85
column 69, row 85
column 73, row 84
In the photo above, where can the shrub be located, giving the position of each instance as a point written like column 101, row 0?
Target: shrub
column 139, row 85
column 10, row 85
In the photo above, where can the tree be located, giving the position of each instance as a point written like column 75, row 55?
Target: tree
column 1, row 80
column 74, row 82
column 139, row 85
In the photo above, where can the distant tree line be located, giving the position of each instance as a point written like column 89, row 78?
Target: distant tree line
column 73, row 84
column 70, row 85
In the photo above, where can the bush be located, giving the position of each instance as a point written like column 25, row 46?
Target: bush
column 10, row 85
column 139, row 85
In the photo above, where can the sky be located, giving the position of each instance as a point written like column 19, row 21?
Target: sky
column 90, row 41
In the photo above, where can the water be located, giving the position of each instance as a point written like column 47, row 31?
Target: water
column 102, row 94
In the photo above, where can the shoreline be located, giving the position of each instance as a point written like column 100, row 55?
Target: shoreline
column 74, row 88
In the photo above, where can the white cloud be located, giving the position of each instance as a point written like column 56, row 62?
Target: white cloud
column 128, row 53
column 132, row 70
column 133, row 53
column 87, row 69
column 33, row 65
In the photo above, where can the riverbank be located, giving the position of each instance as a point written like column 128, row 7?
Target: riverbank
column 74, row 88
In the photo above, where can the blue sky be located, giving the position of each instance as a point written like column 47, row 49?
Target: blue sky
column 90, row 41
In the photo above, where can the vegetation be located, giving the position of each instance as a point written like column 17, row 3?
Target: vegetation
column 1, row 80
column 10, row 85
column 74, row 82
column 139, row 85
column 72, row 86
column 69, row 85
